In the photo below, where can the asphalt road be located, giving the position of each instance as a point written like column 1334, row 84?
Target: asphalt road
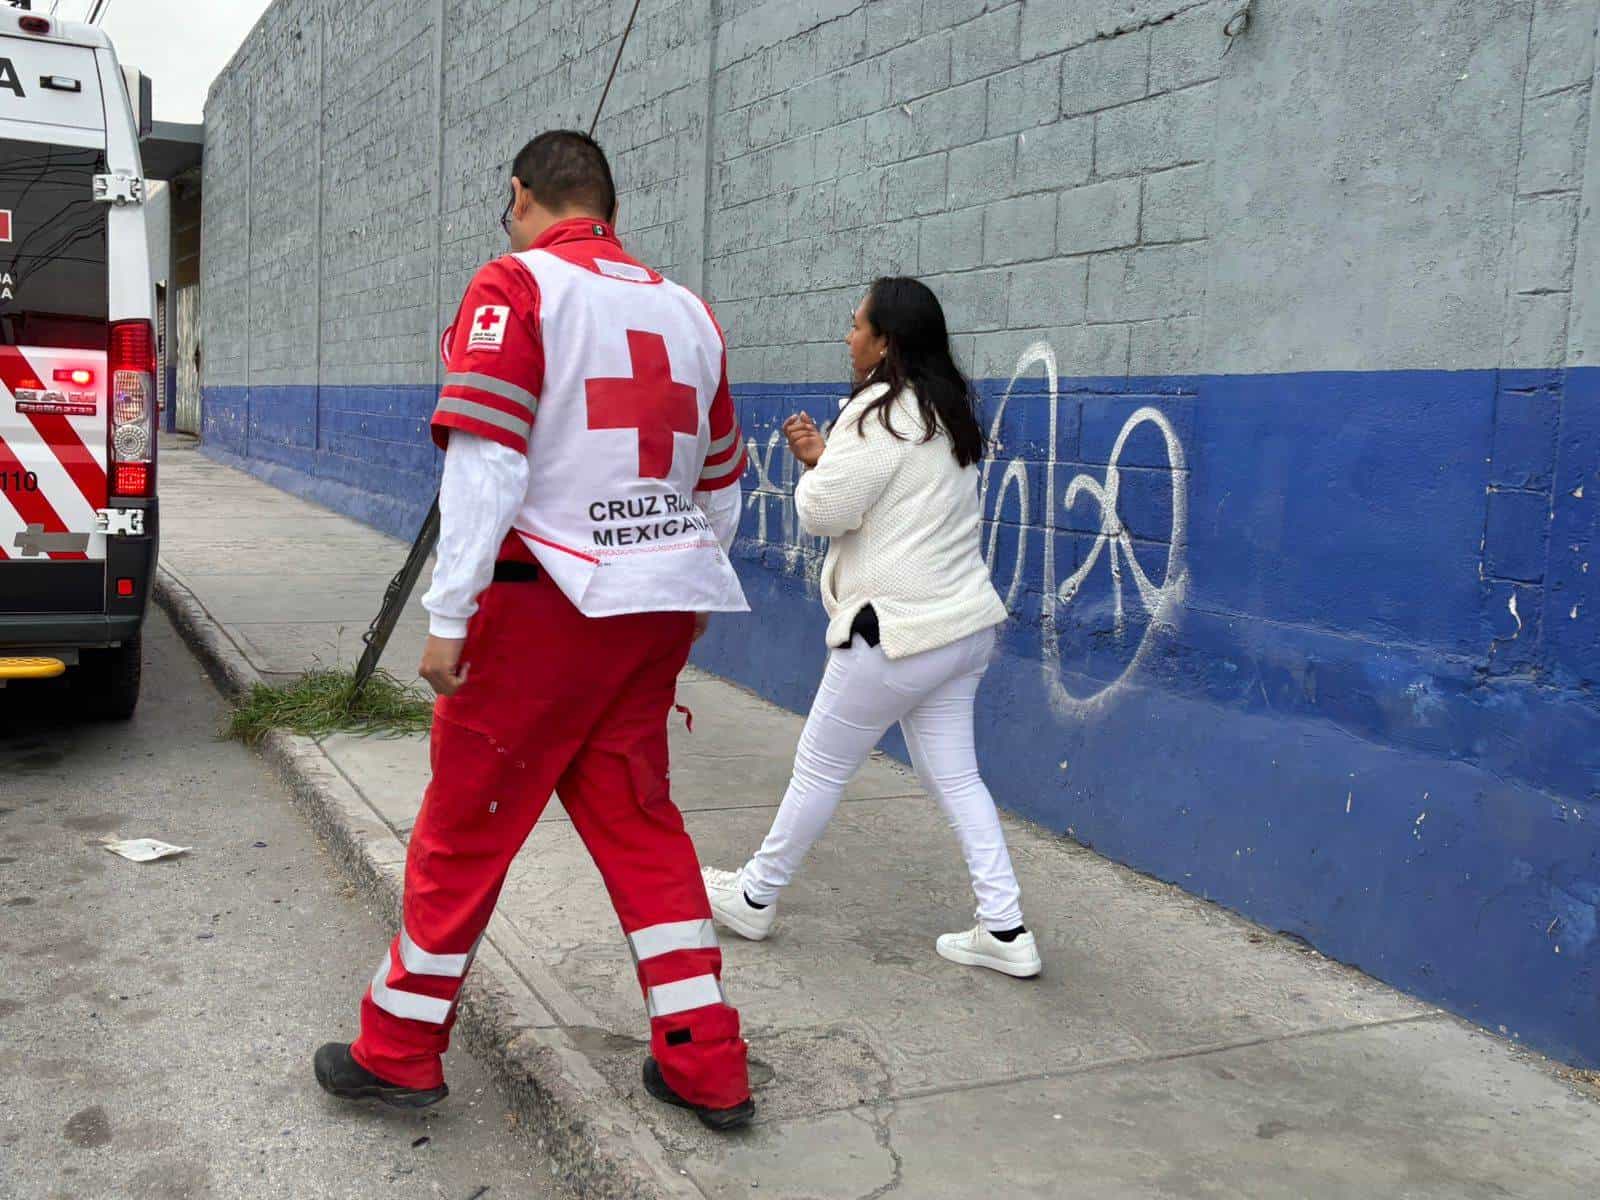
column 157, row 1020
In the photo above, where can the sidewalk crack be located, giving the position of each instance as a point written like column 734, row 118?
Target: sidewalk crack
column 1135, row 1062
column 878, row 1118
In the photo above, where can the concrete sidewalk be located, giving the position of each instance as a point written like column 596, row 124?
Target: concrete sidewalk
column 1170, row 1049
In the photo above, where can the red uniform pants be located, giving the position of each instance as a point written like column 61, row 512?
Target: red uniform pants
column 557, row 702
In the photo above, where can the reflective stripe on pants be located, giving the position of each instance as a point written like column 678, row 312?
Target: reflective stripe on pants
column 577, row 707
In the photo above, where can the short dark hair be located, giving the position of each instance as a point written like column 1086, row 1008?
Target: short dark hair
column 565, row 169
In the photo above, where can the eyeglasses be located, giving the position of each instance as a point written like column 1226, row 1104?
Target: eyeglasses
column 505, row 217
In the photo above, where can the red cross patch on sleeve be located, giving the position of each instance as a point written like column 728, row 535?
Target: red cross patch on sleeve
column 488, row 327
column 494, row 369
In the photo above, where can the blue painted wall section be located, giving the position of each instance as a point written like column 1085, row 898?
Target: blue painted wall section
column 1337, row 723
column 364, row 451
column 1322, row 647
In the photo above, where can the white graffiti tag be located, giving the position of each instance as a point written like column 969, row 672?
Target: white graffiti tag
column 1004, row 486
column 1160, row 601
column 1115, row 536
column 802, row 553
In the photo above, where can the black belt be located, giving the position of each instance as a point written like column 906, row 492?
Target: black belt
column 510, row 571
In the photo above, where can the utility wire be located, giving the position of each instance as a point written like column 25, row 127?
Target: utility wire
column 615, row 63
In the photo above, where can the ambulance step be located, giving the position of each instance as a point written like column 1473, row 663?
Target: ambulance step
column 31, row 668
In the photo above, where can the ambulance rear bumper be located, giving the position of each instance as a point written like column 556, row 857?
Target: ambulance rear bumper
column 79, row 607
column 74, row 631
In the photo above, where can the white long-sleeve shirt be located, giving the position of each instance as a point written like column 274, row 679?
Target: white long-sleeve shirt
column 484, row 485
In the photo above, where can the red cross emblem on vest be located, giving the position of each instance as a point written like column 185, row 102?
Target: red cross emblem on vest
column 488, row 318
column 649, row 401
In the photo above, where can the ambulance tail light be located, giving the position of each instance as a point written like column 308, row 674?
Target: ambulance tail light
column 133, row 430
column 34, row 24
column 131, row 479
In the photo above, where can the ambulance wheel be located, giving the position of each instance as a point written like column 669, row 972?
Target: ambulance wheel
column 108, row 680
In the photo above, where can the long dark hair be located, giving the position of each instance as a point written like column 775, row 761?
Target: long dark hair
column 907, row 314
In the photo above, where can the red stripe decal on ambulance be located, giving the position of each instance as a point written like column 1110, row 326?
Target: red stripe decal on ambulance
column 32, row 507
column 56, row 432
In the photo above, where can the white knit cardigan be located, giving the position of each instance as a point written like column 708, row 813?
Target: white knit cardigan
column 903, row 518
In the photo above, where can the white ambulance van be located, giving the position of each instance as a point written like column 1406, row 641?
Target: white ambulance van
column 77, row 365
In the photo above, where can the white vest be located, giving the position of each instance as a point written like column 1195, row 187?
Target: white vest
column 609, row 511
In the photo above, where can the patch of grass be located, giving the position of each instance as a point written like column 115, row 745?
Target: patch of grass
column 322, row 701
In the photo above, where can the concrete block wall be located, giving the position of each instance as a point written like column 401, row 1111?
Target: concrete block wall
column 225, row 258
column 1044, row 195
column 1283, row 316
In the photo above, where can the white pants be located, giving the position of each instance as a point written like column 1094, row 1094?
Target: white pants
column 862, row 694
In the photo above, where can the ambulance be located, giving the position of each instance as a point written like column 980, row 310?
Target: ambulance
column 78, row 519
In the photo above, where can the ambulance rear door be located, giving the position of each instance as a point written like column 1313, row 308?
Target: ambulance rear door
column 54, row 326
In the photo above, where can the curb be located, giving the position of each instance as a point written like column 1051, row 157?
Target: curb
column 592, row 1141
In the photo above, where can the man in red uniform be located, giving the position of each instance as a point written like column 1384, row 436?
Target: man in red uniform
column 590, row 492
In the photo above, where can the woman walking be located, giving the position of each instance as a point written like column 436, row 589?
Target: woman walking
column 912, row 617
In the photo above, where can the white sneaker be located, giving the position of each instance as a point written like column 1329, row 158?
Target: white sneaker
column 977, row 947
column 725, row 890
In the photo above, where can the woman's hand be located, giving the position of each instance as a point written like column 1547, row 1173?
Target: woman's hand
column 805, row 440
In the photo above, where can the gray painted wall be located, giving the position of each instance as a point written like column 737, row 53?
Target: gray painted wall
column 1358, row 185
column 1401, row 187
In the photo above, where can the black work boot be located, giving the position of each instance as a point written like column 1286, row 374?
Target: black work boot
column 341, row 1075
column 720, row 1119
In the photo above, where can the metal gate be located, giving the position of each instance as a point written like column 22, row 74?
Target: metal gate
column 186, row 353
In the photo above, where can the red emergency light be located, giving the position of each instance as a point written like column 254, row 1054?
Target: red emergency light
column 81, row 376
column 34, row 24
